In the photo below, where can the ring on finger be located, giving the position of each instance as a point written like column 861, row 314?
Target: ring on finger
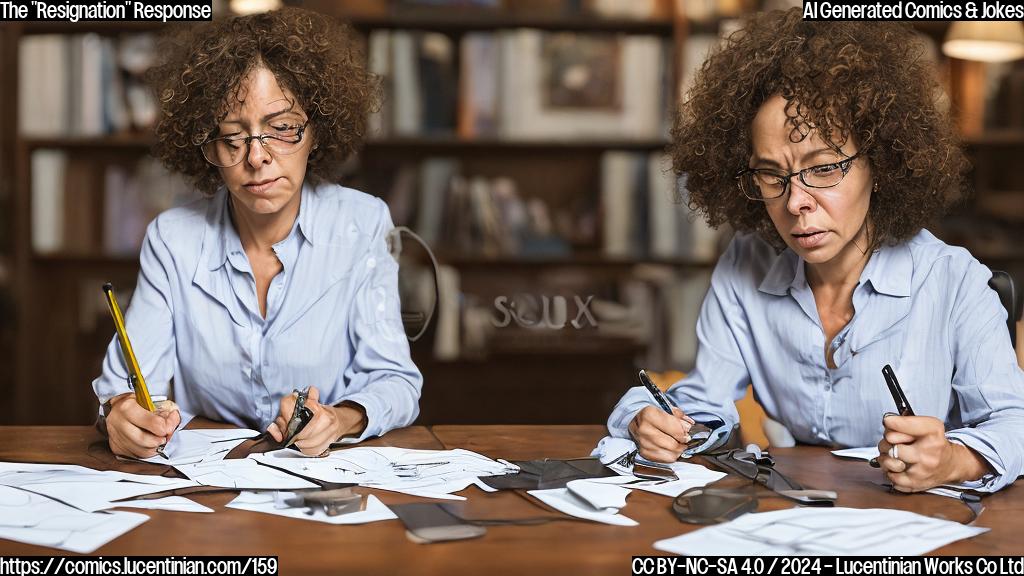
column 894, row 452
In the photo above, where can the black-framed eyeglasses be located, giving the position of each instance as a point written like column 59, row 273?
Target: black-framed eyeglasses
column 228, row 151
column 766, row 184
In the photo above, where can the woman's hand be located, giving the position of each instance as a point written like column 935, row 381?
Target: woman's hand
column 925, row 458
column 329, row 423
column 659, row 436
column 134, row 431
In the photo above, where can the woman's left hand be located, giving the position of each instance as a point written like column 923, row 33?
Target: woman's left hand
column 329, row 423
column 924, row 457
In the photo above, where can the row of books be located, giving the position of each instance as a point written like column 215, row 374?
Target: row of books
column 645, row 211
column 80, row 207
column 640, row 212
column 471, row 214
column 521, row 84
column 84, row 84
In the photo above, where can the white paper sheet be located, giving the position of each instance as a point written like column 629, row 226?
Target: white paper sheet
column 426, row 473
column 171, row 503
column 264, row 502
column 690, row 476
column 822, row 531
column 606, row 496
column 242, row 474
column 191, row 446
column 865, row 453
column 34, row 519
column 566, row 502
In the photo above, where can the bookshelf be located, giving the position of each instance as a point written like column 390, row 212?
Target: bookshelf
column 522, row 376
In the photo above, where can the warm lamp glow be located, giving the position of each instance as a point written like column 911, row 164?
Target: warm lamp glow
column 243, row 7
column 985, row 41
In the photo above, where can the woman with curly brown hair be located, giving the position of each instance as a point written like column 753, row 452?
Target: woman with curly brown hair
column 825, row 147
column 277, row 279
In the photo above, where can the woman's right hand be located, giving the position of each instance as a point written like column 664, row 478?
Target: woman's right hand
column 134, row 431
column 660, row 437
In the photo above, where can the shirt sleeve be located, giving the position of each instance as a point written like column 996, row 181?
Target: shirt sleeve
column 381, row 377
column 988, row 383
column 719, row 379
column 148, row 320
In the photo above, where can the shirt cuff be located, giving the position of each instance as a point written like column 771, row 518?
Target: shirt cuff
column 989, row 482
column 374, row 414
column 618, row 424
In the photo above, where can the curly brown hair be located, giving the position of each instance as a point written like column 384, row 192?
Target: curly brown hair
column 315, row 57
column 866, row 80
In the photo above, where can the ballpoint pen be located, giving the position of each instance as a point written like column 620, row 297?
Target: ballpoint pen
column 902, row 404
column 135, row 379
column 660, row 397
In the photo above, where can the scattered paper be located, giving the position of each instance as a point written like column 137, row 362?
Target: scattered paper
column 426, row 473
column 690, row 476
column 83, row 488
column 265, row 502
column 172, row 503
column 191, row 446
column 242, row 474
column 822, row 531
column 563, row 500
column 33, row 519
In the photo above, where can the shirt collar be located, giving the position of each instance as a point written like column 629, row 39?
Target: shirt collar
column 225, row 238
column 890, row 271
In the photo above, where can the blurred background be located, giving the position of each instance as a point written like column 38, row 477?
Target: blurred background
column 521, row 139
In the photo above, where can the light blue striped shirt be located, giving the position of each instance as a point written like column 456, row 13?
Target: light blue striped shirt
column 333, row 316
column 922, row 306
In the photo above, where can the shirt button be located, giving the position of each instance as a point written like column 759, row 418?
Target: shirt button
column 828, row 387
column 814, row 430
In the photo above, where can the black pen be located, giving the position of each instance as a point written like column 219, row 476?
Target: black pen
column 664, row 401
column 902, row 404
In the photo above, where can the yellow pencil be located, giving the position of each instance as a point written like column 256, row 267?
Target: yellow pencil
column 135, row 379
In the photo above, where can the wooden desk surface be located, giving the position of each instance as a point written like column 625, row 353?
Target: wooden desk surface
column 556, row 547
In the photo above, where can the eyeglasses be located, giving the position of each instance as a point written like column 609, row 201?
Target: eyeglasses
column 228, row 151
column 766, row 184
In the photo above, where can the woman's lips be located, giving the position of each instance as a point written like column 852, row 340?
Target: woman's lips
column 811, row 240
column 261, row 188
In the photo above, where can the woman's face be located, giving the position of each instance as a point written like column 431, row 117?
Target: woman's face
column 265, row 182
column 819, row 224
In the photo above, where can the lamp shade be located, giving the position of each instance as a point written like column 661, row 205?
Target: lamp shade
column 986, row 41
column 243, row 7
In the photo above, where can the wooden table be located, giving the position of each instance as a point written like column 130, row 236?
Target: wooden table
column 557, row 547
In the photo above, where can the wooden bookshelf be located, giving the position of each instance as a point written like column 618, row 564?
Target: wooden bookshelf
column 526, row 380
column 462, row 21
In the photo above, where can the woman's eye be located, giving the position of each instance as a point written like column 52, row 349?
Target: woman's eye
column 826, row 169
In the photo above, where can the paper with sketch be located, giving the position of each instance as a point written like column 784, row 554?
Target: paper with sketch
column 427, row 473
column 171, row 503
column 191, row 446
column 265, row 502
column 242, row 474
column 83, row 488
column 34, row 519
column 566, row 502
column 822, row 531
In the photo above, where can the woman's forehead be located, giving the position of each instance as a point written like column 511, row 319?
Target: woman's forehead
column 259, row 94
